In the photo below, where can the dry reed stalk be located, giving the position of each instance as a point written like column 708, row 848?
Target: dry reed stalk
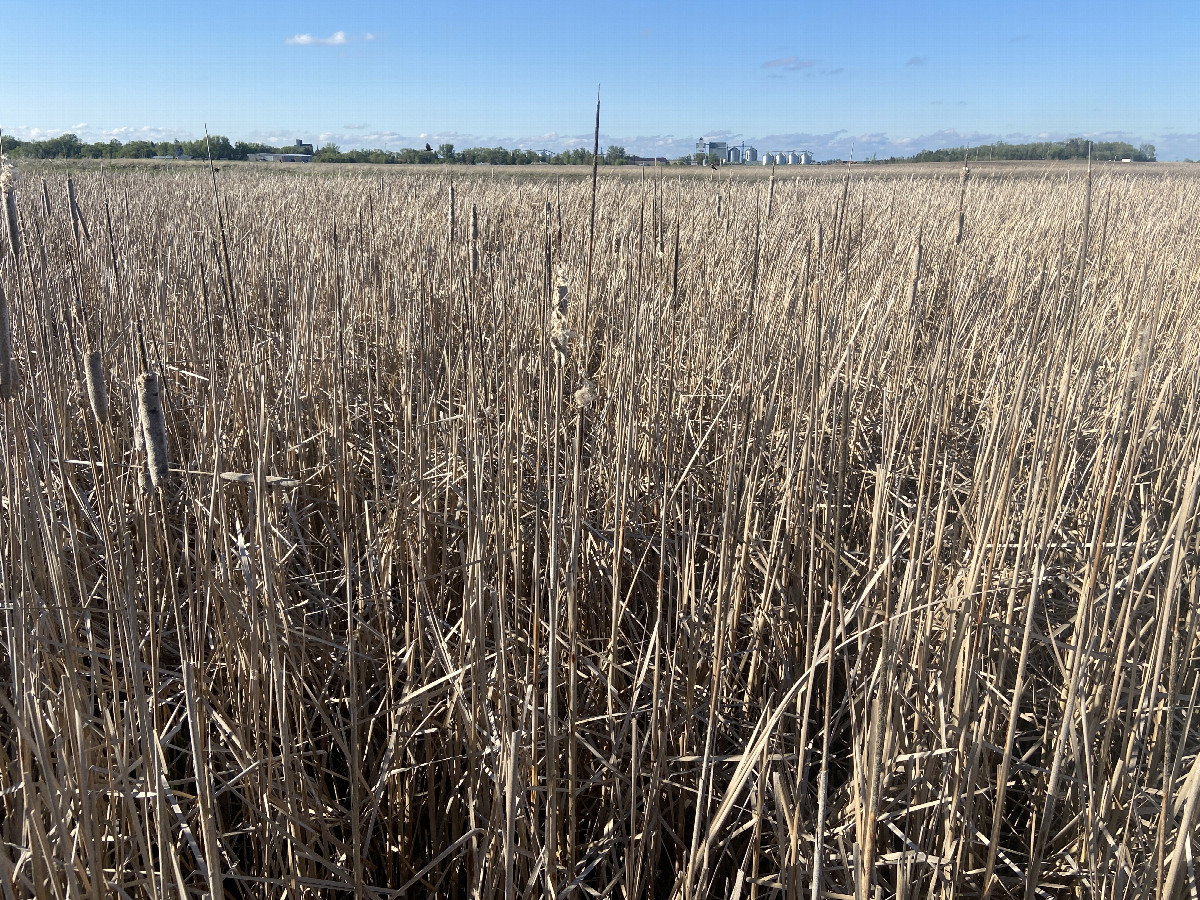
column 7, row 366
column 78, row 222
column 962, row 197
column 8, row 194
column 474, row 240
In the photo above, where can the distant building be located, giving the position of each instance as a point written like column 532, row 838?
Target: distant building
column 280, row 157
column 733, row 155
column 720, row 148
column 646, row 161
column 749, row 154
column 806, row 158
column 178, row 154
column 302, row 148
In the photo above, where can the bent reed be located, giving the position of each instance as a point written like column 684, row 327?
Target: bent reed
column 842, row 542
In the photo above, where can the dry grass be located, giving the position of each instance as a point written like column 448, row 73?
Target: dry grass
column 765, row 557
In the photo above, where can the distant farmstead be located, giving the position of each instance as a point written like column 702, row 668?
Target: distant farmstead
column 300, row 152
column 280, row 157
column 724, row 153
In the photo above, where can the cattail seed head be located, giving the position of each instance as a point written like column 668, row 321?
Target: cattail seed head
column 560, row 334
column 154, row 426
column 586, row 395
column 97, row 392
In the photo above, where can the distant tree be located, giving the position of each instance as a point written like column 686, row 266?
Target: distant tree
column 615, row 156
column 446, row 152
column 136, row 150
column 329, row 153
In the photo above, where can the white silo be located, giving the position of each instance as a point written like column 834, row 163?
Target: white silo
column 750, row 155
column 734, row 155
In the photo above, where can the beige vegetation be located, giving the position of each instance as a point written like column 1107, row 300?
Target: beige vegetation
column 728, row 555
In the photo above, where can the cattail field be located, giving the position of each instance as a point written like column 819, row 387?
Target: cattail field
column 391, row 535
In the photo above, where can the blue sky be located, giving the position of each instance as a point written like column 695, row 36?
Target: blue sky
column 881, row 77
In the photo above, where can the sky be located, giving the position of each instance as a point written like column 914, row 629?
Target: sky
column 885, row 78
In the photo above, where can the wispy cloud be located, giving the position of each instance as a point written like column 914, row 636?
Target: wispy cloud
column 307, row 40
column 917, row 60
column 789, row 63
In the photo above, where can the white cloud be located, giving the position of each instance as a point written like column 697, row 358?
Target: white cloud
column 307, row 40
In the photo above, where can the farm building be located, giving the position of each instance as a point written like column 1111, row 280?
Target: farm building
column 298, row 152
column 280, row 157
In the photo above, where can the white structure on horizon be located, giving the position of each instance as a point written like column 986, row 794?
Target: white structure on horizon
column 735, row 155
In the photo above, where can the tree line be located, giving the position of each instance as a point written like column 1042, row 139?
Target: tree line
column 1074, row 148
column 69, row 146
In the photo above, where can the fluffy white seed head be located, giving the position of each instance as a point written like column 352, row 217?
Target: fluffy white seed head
column 586, row 395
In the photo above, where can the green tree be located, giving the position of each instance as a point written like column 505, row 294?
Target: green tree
column 329, row 153
column 615, row 156
column 446, row 152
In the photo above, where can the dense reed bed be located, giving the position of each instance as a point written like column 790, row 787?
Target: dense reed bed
column 380, row 538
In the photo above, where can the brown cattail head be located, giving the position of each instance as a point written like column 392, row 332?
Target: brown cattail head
column 8, row 189
column 154, row 426
column 561, row 293
column 97, row 392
